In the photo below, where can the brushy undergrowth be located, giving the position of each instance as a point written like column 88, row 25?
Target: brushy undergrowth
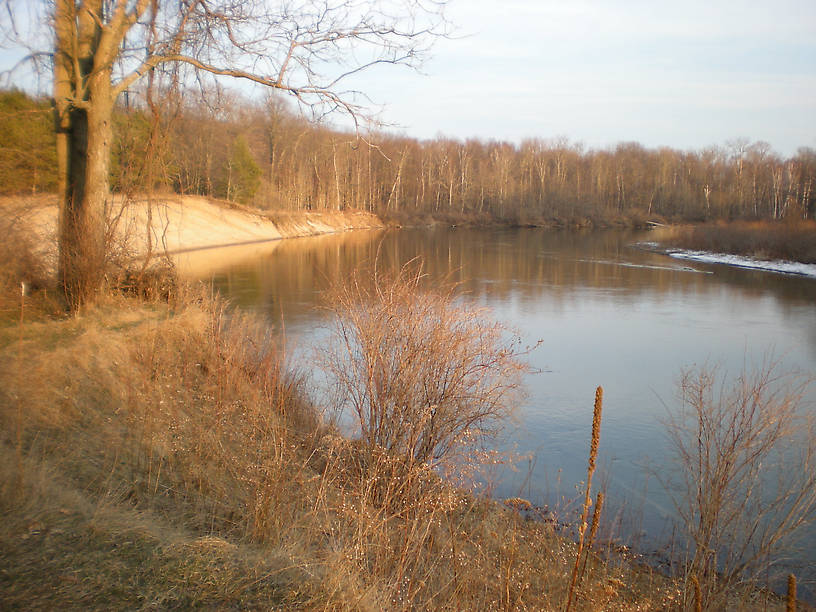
column 787, row 240
column 163, row 455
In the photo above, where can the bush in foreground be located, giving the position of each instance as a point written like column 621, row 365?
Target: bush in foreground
column 423, row 374
column 746, row 485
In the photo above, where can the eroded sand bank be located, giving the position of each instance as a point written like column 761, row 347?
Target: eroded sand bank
column 196, row 232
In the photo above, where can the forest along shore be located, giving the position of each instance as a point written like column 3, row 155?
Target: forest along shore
column 180, row 224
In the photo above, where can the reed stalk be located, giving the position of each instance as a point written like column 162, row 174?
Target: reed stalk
column 791, row 601
column 698, row 596
column 593, row 530
column 19, row 432
column 593, row 456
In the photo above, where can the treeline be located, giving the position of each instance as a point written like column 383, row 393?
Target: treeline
column 269, row 156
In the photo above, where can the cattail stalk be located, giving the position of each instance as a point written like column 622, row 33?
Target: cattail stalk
column 698, row 596
column 19, row 432
column 593, row 531
column 593, row 456
column 791, row 593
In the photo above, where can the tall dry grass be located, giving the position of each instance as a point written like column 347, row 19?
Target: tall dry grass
column 23, row 269
column 793, row 240
column 170, row 459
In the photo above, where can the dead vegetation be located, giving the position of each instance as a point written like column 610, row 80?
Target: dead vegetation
column 790, row 239
column 162, row 454
column 746, row 480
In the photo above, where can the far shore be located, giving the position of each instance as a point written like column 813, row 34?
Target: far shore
column 201, row 235
column 789, row 241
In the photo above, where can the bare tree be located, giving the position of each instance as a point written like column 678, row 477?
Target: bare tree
column 101, row 48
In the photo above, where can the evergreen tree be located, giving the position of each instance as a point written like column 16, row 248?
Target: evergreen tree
column 28, row 160
column 243, row 175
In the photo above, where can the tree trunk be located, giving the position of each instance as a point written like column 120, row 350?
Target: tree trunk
column 83, row 114
column 83, row 219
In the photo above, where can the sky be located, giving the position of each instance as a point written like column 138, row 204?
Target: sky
column 687, row 75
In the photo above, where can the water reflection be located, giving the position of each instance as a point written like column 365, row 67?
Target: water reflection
column 608, row 313
column 525, row 264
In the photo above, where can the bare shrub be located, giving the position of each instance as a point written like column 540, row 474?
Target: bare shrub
column 158, row 281
column 19, row 260
column 422, row 374
column 748, row 478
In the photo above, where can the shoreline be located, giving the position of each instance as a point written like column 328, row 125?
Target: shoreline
column 785, row 240
column 777, row 266
column 185, row 228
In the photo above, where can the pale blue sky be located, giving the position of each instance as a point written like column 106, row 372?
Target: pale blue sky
column 681, row 74
column 685, row 75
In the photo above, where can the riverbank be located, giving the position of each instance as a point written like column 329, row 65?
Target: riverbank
column 792, row 241
column 163, row 455
column 185, row 228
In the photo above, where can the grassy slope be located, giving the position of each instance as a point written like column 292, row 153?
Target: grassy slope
column 165, row 459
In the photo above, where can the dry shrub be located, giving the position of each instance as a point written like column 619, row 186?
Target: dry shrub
column 20, row 261
column 422, row 374
column 747, row 483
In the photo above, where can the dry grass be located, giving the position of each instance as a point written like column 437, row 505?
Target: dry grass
column 163, row 455
column 168, row 459
column 787, row 240
column 23, row 269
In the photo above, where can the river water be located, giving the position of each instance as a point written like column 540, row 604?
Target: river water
column 606, row 312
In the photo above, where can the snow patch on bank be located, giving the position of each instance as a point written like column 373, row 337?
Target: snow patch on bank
column 739, row 261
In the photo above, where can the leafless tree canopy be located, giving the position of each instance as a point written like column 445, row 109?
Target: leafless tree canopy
column 309, row 48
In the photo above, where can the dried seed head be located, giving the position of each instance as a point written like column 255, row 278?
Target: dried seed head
column 596, row 428
column 791, row 607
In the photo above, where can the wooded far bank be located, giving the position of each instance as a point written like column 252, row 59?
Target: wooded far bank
column 268, row 156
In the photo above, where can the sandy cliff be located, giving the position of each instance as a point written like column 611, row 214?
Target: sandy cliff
column 188, row 228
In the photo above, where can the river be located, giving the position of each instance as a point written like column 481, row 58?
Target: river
column 606, row 312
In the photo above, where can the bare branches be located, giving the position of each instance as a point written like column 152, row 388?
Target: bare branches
column 309, row 48
column 421, row 375
column 748, row 478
